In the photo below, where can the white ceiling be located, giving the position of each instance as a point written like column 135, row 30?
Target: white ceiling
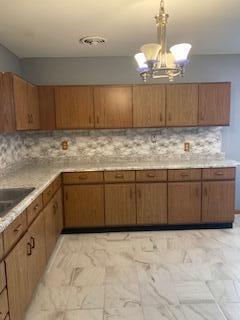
column 52, row 28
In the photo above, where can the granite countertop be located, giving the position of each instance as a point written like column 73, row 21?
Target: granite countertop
column 39, row 174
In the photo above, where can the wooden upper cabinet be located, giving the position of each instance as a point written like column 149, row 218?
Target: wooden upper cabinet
column 214, row 104
column 149, row 104
column 182, row 105
column 33, row 107
column 113, row 107
column 74, row 107
column 47, row 107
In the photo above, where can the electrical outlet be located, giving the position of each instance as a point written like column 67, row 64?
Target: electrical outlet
column 64, row 145
column 186, row 146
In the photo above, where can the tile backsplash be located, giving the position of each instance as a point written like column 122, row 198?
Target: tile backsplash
column 117, row 143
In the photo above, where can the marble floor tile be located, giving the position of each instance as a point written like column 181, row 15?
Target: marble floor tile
column 205, row 255
column 133, row 312
column 193, row 292
column 174, row 256
column 203, row 311
column 231, row 310
column 121, row 295
column 158, row 293
column 83, row 315
column 163, row 313
column 33, row 314
column 125, row 274
column 88, row 276
column 225, row 291
column 152, row 273
column 86, row 298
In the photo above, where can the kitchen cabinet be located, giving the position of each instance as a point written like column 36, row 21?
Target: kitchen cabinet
column 218, row 201
column 182, row 105
column 33, row 107
column 184, row 202
column 84, row 206
column 58, row 207
column 46, row 97
column 120, row 204
column 151, row 203
column 214, row 104
column 113, row 107
column 149, row 106
column 3, row 305
column 74, row 107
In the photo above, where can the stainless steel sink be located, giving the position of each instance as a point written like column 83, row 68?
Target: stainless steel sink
column 9, row 198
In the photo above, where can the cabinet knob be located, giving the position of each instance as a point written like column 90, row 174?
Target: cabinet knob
column 18, row 228
column 36, row 207
column 55, row 206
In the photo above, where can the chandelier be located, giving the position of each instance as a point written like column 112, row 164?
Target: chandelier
column 154, row 62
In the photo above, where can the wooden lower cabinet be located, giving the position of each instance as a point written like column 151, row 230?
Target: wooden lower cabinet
column 17, row 278
column 151, row 203
column 120, row 204
column 58, row 207
column 84, row 206
column 184, row 202
column 218, row 201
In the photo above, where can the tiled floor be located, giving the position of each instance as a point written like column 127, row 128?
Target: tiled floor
column 172, row 275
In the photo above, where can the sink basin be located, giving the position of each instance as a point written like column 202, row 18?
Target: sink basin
column 9, row 198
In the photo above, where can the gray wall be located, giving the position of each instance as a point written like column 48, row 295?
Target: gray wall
column 115, row 70
column 8, row 61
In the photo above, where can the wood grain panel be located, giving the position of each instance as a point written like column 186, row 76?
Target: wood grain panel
column 84, row 206
column 33, row 107
column 120, row 204
column 74, row 107
column 218, row 201
column 182, row 105
column 113, row 107
column 34, row 209
column 214, row 103
column 1, row 247
column 219, row 174
column 151, row 203
column 119, row 176
column 184, row 174
column 149, row 106
column 47, row 194
column 58, row 208
column 2, row 277
column 57, row 183
column 46, row 98
column 3, row 304
column 50, row 228
column 20, row 89
column 151, row 175
column 184, row 202
column 83, row 177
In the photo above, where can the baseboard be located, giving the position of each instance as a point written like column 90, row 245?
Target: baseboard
column 148, row 228
column 236, row 211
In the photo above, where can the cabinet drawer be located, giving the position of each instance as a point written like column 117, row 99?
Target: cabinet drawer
column 184, row 174
column 3, row 304
column 151, row 175
column 57, row 183
column 34, row 208
column 7, row 317
column 2, row 277
column 119, row 176
column 82, row 177
column 14, row 231
column 47, row 194
column 219, row 174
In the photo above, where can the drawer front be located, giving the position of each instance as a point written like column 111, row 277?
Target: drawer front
column 2, row 277
column 151, row 175
column 119, row 176
column 14, row 231
column 34, row 209
column 82, row 177
column 47, row 194
column 7, row 317
column 184, row 175
column 219, row 174
column 57, row 183
column 3, row 304
column 1, row 246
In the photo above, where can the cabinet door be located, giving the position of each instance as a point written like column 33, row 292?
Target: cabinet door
column 17, row 279
column 149, row 105
column 37, row 260
column 20, row 89
column 218, row 201
column 84, row 206
column 33, row 107
column 184, row 202
column 50, row 228
column 113, row 107
column 47, row 107
column 58, row 208
column 151, row 203
column 74, row 107
column 182, row 105
column 120, row 204
column 214, row 103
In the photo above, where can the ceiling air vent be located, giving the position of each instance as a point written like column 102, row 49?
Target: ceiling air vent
column 93, row 40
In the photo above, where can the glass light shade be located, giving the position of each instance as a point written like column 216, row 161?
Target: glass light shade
column 151, row 51
column 170, row 61
column 141, row 61
column 180, row 52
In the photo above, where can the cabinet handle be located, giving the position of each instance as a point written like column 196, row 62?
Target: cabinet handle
column 36, row 207
column 18, row 228
column 119, row 176
column 55, row 206
column 31, row 116
column 29, row 249
column 29, row 119
column 219, row 173
column 32, row 242
column 83, row 177
column 151, row 175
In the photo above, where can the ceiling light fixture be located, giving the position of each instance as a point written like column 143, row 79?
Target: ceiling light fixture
column 154, row 62
column 93, row 40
